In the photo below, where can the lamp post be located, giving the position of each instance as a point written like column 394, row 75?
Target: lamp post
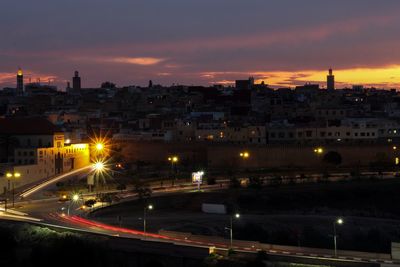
column 75, row 198
column 98, row 168
column 338, row 221
column 237, row 216
column 145, row 209
column 174, row 160
column 5, row 204
column 245, row 155
column 13, row 176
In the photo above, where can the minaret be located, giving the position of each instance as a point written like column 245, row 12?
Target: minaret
column 330, row 81
column 20, row 82
column 76, row 81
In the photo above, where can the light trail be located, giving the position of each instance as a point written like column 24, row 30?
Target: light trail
column 114, row 228
column 6, row 215
column 185, row 241
column 51, row 181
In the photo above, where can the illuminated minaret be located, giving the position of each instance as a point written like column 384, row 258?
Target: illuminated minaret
column 330, row 81
column 20, row 82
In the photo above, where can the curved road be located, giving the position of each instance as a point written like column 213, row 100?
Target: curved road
column 52, row 213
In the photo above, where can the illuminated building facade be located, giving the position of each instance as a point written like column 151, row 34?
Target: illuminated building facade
column 39, row 154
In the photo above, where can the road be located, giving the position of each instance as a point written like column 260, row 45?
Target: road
column 52, row 213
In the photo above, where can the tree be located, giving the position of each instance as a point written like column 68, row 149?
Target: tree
column 142, row 190
column 332, row 157
column 108, row 85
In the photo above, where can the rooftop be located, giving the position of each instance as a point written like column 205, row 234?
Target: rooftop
column 27, row 126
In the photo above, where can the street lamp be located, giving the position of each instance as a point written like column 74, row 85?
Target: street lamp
column 145, row 209
column 236, row 216
column 338, row 221
column 75, row 198
column 244, row 155
column 174, row 160
column 99, row 146
column 318, row 150
column 9, row 176
column 98, row 166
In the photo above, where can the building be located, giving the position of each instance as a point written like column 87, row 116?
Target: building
column 244, row 84
column 40, row 89
column 330, row 81
column 36, row 149
column 76, row 81
column 20, row 82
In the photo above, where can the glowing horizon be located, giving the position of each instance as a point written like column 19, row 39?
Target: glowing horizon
column 385, row 77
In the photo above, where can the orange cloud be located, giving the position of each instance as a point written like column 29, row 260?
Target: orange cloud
column 145, row 61
column 6, row 77
column 142, row 61
column 29, row 76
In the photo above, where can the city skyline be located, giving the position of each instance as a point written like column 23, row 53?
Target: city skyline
column 284, row 44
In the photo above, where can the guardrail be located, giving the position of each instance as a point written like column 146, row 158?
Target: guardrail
column 257, row 246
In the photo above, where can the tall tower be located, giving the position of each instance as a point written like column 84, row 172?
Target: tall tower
column 76, row 81
column 20, row 82
column 330, row 81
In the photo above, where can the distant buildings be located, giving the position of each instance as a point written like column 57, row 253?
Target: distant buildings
column 244, row 84
column 247, row 114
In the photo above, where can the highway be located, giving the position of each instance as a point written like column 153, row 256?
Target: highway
column 52, row 213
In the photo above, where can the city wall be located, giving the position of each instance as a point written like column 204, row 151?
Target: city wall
column 223, row 156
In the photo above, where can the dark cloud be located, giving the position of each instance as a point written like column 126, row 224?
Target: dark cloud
column 111, row 39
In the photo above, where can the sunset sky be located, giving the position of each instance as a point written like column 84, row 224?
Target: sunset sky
column 128, row 42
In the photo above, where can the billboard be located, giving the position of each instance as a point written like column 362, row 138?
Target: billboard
column 197, row 177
